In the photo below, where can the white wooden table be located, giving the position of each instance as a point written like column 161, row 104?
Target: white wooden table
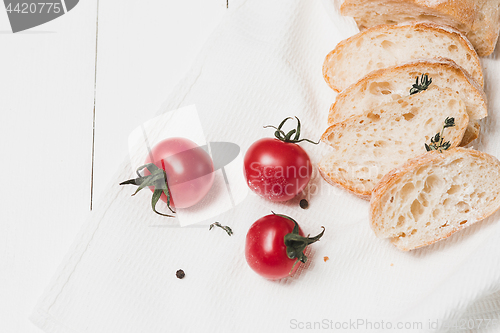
column 71, row 91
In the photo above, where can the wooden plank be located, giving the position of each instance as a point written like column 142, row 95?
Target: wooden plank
column 143, row 51
column 47, row 95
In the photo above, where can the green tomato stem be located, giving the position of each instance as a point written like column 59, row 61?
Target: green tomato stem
column 296, row 244
column 287, row 137
column 158, row 180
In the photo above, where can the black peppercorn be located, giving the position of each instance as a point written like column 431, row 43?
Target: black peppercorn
column 180, row 274
column 304, row 204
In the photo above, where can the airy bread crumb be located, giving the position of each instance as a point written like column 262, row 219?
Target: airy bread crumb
column 435, row 195
column 368, row 146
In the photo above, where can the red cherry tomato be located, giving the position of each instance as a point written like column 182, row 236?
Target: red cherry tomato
column 278, row 169
column 189, row 169
column 266, row 247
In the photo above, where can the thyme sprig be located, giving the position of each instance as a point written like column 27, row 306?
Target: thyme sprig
column 425, row 82
column 437, row 142
column 224, row 227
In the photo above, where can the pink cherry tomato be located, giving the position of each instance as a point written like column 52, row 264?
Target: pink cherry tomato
column 189, row 169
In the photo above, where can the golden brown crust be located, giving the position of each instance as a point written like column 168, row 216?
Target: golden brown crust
column 396, row 174
column 434, row 240
column 464, row 10
column 365, row 195
column 329, row 56
column 437, row 64
column 339, row 49
column 479, row 20
column 471, row 133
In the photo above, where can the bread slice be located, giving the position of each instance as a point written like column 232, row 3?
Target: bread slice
column 389, row 45
column 435, row 195
column 368, row 146
column 478, row 20
column 388, row 84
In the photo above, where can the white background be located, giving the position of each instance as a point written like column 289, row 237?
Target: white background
column 71, row 91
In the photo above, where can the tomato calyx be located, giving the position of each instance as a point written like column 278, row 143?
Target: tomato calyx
column 296, row 244
column 158, row 180
column 287, row 137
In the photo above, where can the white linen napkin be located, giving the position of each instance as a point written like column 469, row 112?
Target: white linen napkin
column 262, row 64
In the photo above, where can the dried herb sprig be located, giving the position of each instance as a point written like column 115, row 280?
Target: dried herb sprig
column 437, row 142
column 224, row 227
column 425, row 82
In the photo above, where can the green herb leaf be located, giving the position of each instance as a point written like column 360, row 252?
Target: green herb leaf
column 417, row 87
column 223, row 227
column 437, row 141
column 449, row 122
column 436, row 138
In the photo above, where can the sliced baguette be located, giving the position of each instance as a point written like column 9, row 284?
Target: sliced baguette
column 478, row 20
column 435, row 195
column 389, row 45
column 388, row 84
column 368, row 146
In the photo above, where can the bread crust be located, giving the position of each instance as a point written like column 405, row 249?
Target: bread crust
column 341, row 183
column 437, row 64
column 365, row 195
column 396, row 174
column 456, row 35
column 471, row 133
column 479, row 20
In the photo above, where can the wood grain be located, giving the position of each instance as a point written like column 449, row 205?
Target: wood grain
column 47, row 94
column 143, row 51
column 58, row 109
